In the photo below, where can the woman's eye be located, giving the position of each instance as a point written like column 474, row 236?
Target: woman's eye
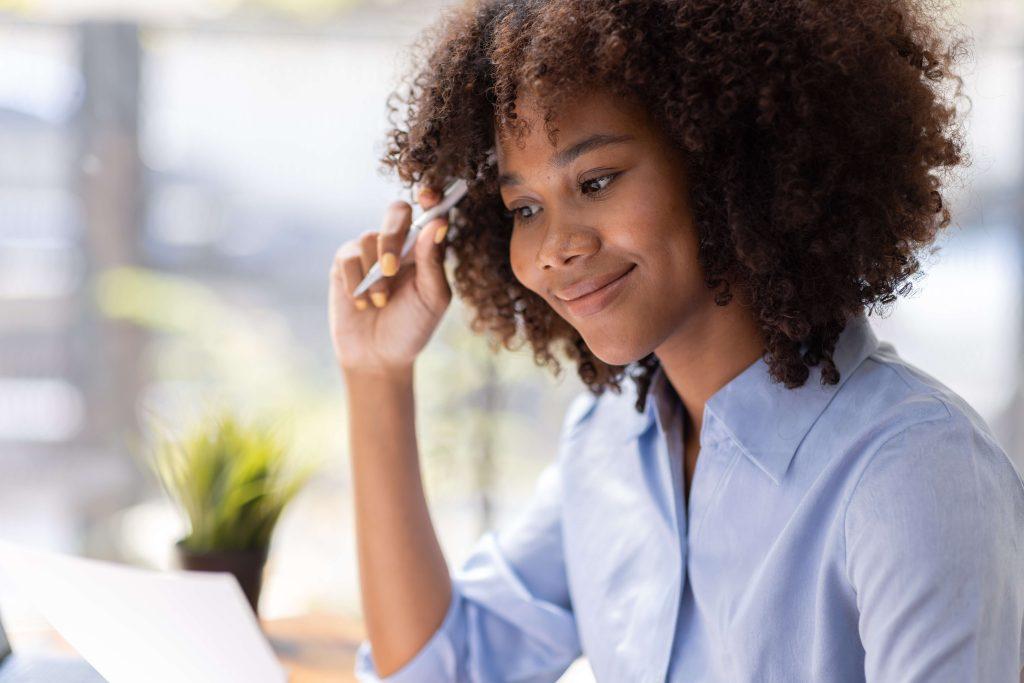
column 515, row 213
column 594, row 186
column 599, row 183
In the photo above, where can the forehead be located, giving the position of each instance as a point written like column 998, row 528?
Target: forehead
column 579, row 115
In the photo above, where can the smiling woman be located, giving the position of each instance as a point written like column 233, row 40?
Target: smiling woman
column 800, row 144
column 709, row 196
column 610, row 213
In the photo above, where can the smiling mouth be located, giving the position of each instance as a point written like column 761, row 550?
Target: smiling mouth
column 577, row 288
column 597, row 300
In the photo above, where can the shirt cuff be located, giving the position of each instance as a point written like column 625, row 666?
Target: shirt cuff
column 435, row 662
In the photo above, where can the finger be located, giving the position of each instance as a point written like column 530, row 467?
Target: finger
column 378, row 291
column 394, row 228
column 427, row 197
column 431, row 281
column 347, row 271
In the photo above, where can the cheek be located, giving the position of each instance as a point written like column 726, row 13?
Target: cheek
column 667, row 251
column 519, row 266
column 520, row 262
column 669, row 234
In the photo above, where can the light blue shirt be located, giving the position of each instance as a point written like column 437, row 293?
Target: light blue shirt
column 867, row 531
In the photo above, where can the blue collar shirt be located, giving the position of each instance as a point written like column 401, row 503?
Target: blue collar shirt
column 867, row 531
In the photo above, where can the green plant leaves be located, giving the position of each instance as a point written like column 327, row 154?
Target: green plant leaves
column 231, row 480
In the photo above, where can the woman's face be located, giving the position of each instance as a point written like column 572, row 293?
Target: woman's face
column 609, row 200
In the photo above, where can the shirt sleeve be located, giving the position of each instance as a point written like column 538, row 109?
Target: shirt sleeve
column 510, row 617
column 934, row 543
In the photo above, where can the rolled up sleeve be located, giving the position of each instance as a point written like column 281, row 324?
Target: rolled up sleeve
column 430, row 663
column 934, row 551
column 510, row 617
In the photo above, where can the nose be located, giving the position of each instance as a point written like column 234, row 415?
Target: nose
column 564, row 241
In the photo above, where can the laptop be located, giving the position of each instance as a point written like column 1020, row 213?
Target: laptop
column 39, row 668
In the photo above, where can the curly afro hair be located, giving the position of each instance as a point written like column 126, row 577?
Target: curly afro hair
column 816, row 133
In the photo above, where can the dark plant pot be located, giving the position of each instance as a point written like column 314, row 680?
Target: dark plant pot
column 246, row 566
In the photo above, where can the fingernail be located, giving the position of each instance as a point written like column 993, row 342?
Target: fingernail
column 379, row 299
column 388, row 264
column 440, row 233
column 361, row 304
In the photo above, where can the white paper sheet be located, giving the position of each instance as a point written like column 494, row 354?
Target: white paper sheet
column 137, row 625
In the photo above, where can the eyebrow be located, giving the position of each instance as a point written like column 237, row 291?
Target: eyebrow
column 570, row 154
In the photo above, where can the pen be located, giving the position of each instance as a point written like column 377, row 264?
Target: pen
column 454, row 192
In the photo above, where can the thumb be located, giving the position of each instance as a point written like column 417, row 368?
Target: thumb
column 431, row 282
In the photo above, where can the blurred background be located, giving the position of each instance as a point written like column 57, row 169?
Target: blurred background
column 174, row 180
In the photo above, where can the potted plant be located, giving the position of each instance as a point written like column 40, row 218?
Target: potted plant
column 231, row 481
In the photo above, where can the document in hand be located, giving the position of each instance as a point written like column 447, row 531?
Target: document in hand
column 136, row 625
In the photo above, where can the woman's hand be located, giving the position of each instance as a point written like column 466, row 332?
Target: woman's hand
column 387, row 334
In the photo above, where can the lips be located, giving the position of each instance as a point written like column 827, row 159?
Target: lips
column 581, row 289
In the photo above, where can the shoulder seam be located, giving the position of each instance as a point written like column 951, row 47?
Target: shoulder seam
column 871, row 459
column 890, row 366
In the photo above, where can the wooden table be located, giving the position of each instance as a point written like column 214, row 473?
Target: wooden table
column 315, row 648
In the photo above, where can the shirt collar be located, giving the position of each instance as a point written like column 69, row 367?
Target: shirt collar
column 764, row 418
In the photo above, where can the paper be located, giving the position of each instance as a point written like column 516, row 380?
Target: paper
column 136, row 625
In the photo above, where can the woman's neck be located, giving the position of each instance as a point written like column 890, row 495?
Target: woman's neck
column 705, row 353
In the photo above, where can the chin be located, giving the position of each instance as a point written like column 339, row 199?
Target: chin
column 615, row 352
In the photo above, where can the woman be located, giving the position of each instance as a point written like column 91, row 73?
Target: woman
column 698, row 202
